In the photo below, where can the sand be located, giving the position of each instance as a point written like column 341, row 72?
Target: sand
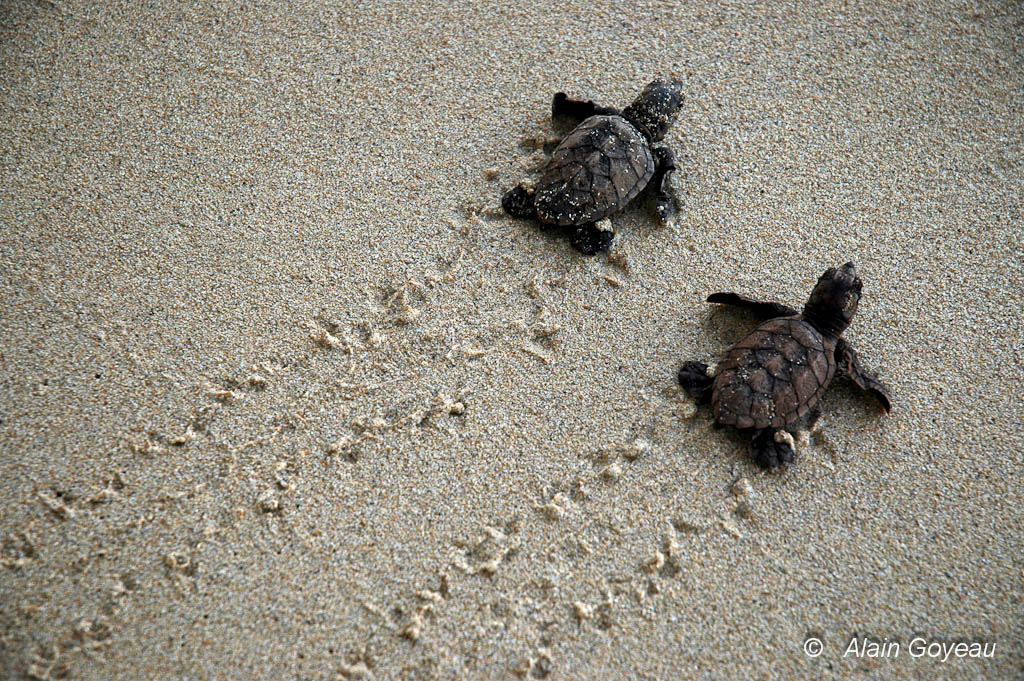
column 283, row 395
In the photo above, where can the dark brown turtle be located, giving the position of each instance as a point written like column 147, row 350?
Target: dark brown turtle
column 781, row 369
column 603, row 164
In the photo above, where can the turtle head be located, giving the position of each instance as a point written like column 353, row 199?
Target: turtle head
column 656, row 108
column 834, row 300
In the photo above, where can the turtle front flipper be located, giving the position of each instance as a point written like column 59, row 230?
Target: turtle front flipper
column 767, row 310
column 576, row 109
column 665, row 165
column 589, row 240
column 848, row 361
column 770, row 450
column 693, row 376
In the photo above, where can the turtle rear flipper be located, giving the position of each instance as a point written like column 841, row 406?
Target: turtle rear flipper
column 693, row 376
column 766, row 310
column 589, row 240
column 577, row 109
column 518, row 202
column 769, row 451
column 848, row 361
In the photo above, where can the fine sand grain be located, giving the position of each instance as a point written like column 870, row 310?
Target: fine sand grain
column 283, row 395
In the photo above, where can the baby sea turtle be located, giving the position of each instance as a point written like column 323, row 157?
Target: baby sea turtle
column 603, row 164
column 781, row 369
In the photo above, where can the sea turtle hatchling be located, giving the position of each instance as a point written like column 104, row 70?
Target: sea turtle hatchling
column 780, row 370
column 603, row 164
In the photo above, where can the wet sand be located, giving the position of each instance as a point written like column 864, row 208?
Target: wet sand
column 284, row 394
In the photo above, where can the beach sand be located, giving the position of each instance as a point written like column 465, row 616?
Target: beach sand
column 284, row 395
